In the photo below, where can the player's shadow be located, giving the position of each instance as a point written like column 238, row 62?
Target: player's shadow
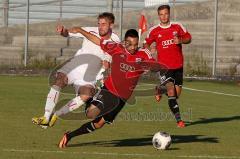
column 214, row 120
column 148, row 141
column 193, row 138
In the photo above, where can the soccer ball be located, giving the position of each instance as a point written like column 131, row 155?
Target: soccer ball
column 161, row 140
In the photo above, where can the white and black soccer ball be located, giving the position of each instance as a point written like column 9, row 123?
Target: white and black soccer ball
column 161, row 140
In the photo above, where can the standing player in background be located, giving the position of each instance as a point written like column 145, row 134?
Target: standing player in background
column 169, row 37
column 75, row 71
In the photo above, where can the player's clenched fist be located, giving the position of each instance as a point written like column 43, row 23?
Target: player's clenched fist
column 177, row 40
column 62, row 31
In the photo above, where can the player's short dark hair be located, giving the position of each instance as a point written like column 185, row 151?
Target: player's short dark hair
column 108, row 16
column 131, row 33
column 165, row 6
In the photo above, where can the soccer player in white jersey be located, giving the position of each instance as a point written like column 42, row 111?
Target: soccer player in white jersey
column 80, row 72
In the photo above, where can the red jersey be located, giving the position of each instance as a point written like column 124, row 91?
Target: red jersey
column 126, row 68
column 169, row 54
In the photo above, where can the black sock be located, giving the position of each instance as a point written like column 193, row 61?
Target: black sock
column 84, row 129
column 173, row 105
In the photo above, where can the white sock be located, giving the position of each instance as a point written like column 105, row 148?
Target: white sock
column 70, row 106
column 51, row 101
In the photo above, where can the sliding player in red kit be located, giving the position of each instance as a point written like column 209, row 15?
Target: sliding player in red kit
column 169, row 37
column 128, row 63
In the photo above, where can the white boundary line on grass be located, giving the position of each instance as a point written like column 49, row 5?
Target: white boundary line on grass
column 200, row 90
column 213, row 92
column 85, row 153
column 209, row 156
column 120, row 154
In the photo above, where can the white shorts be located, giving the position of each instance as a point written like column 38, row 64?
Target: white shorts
column 77, row 75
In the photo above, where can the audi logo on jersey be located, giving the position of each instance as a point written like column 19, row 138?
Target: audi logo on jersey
column 125, row 67
column 166, row 43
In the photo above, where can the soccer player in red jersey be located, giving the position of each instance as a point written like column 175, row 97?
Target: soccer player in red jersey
column 169, row 37
column 128, row 63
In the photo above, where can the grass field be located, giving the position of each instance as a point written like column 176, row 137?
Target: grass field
column 213, row 130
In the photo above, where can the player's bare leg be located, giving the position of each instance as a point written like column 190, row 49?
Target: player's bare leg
column 159, row 91
column 178, row 90
column 92, row 112
column 162, row 89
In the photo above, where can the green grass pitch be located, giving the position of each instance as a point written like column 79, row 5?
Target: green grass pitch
column 213, row 130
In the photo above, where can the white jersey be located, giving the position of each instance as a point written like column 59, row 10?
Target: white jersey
column 89, row 47
column 75, row 71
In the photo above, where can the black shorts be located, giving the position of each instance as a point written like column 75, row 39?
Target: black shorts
column 176, row 75
column 109, row 104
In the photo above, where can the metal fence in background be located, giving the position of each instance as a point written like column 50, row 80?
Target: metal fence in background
column 14, row 11
column 50, row 10
column 214, row 28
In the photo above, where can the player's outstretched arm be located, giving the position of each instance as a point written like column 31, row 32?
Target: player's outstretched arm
column 89, row 36
column 152, row 65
